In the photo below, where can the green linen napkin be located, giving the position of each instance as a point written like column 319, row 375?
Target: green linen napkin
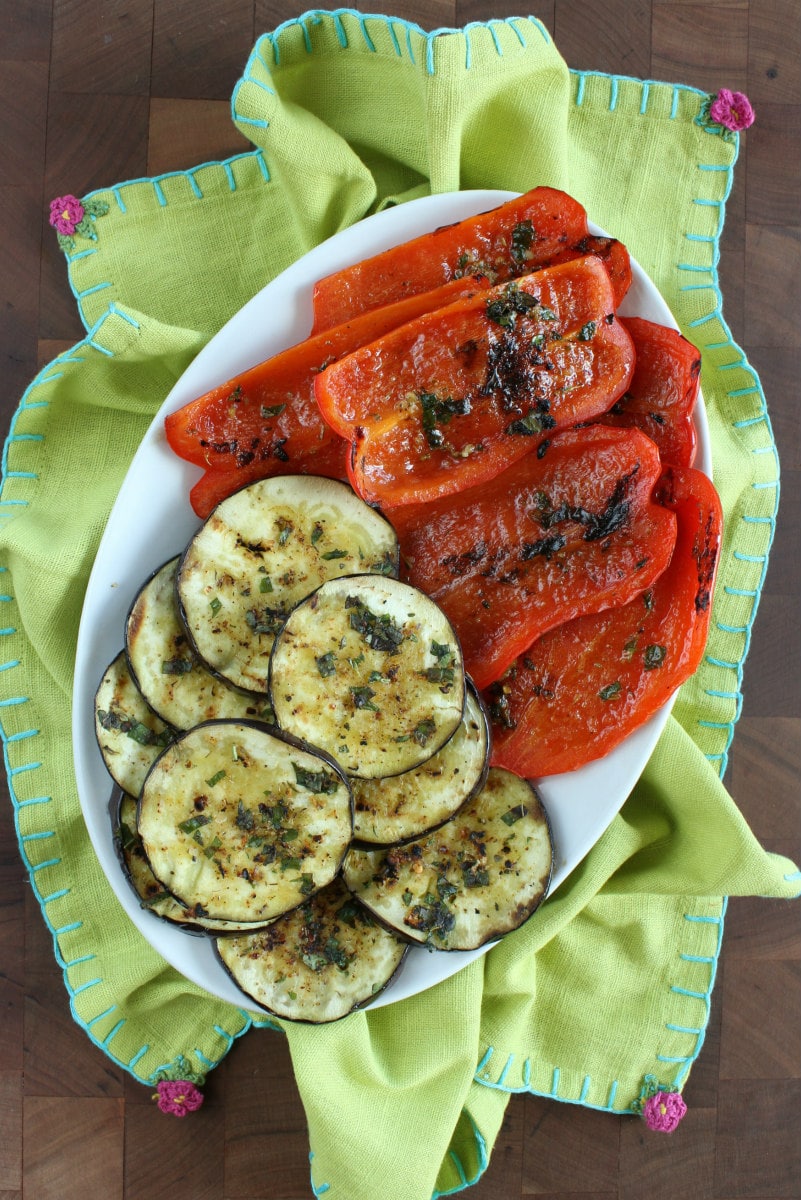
column 609, row 985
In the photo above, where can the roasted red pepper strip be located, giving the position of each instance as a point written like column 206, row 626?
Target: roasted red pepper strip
column 543, row 226
column 214, row 485
column 268, row 414
column 661, row 397
column 449, row 400
column 579, row 690
column 549, row 539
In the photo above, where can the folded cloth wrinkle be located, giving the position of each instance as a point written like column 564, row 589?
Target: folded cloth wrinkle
column 610, row 981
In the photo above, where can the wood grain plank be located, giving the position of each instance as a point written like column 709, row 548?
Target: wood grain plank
column 776, row 635
column 568, row 1147
column 106, row 146
column 429, row 14
column 772, row 197
column 758, row 1151
column 772, row 284
column 12, row 956
column 10, row 1130
column 504, row 1175
column 701, row 1089
column 481, row 10
column 59, row 1059
column 19, row 290
column 660, row 1167
column 48, row 349
column 179, row 1158
column 102, row 47
column 58, row 1133
column 184, row 133
column 687, row 43
column 766, row 766
column 779, row 368
column 755, row 995
column 774, row 53
column 27, row 30
column 265, row 1124
column 200, row 47
column 763, row 929
column 23, row 109
column 605, row 35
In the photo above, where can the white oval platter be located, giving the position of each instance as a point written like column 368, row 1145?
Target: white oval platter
column 152, row 520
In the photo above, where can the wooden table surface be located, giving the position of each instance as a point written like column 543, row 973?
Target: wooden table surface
column 94, row 93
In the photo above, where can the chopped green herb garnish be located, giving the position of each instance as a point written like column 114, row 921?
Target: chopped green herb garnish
column 610, row 692
column 423, row 731
column 136, row 730
column 442, row 653
column 586, row 332
column 443, row 675
column 436, row 920
column 192, row 824
column 514, row 814
column 265, row 584
column 177, row 666
column 326, row 664
column 265, row 620
column 216, row 778
column 215, row 604
column 128, row 838
column 505, row 309
column 439, row 411
column 385, row 567
column 654, row 657
column 244, row 818
column 445, row 889
column 532, row 423
column 285, row 530
column 322, row 783
column 380, row 633
column 272, row 410
column 522, row 237
column 474, row 876
column 363, row 698
column 332, row 554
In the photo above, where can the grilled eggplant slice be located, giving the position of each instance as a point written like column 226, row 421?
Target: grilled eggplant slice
column 168, row 673
column 152, row 895
column 318, row 963
column 470, row 882
column 369, row 669
column 129, row 734
column 243, row 822
column 403, row 807
column 259, row 553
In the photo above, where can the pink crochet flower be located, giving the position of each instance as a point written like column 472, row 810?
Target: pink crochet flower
column 178, row 1096
column 732, row 110
column 66, row 214
column 663, row 1111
